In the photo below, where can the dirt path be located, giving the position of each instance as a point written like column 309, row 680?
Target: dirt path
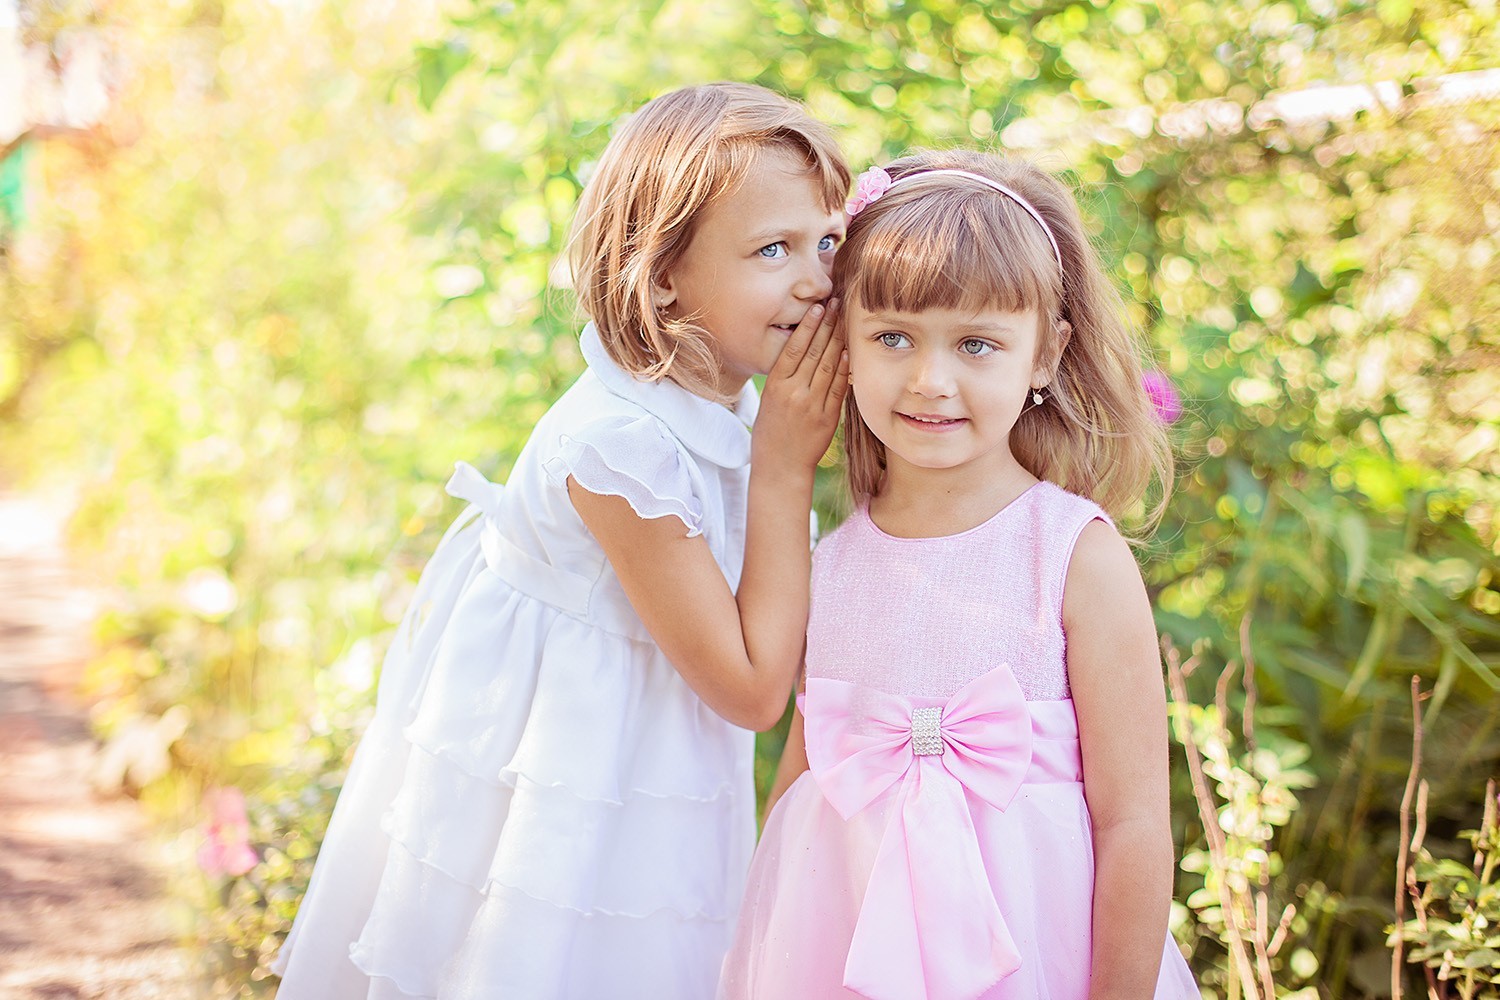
column 82, row 906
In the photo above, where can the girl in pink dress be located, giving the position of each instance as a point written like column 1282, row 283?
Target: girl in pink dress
column 978, row 800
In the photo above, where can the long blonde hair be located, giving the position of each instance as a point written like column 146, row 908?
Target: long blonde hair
column 954, row 243
column 636, row 217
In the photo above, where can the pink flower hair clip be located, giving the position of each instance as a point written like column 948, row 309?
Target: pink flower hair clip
column 867, row 190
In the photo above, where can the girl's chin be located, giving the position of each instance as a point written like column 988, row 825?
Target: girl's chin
column 919, row 457
column 985, row 467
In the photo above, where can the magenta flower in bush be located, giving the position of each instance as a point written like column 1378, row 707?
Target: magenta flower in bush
column 226, row 849
column 1164, row 397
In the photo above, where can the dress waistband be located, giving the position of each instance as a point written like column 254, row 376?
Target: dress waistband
column 568, row 592
column 1056, row 756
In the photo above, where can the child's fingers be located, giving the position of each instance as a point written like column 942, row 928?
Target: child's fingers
column 796, row 348
column 833, row 402
column 828, row 360
column 818, row 350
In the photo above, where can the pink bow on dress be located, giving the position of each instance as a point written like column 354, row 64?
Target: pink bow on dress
column 929, row 926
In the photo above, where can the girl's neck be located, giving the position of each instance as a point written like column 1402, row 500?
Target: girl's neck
column 929, row 503
column 730, row 385
column 727, row 386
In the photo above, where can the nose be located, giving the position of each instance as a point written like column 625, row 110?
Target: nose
column 814, row 280
column 931, row 377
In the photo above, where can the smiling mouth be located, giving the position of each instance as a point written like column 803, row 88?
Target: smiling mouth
column 784, row 327
column 929, row 422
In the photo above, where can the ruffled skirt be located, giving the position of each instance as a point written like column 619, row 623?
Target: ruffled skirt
column 540, row 808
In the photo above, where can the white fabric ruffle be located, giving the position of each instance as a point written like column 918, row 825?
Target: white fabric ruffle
column 553, row 721
column 630, row 457
column 626, row 957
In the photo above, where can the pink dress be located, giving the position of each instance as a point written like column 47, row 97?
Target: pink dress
column 939, row 846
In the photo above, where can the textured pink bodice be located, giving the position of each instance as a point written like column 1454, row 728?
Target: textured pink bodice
column 925, row 616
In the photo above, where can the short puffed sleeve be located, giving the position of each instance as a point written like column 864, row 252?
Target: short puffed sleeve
column 633, row 457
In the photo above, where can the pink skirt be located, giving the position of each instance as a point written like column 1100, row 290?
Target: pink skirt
column 902, row 875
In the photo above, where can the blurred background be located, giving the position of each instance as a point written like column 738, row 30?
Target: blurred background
column 269, row 267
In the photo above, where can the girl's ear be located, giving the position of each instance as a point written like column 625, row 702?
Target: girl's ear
column 663, row 294
column 1062, row 332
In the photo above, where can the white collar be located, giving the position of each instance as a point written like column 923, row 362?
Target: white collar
column 708, row 429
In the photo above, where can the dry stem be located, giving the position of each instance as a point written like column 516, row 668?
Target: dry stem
column 1403, row 855
column 1212, row 832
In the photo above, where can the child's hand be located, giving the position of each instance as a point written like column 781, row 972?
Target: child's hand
column 804, row 394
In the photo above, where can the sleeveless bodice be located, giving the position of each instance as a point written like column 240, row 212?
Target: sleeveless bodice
column 925, row 616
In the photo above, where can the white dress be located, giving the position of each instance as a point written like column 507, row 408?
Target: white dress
column 541, row 806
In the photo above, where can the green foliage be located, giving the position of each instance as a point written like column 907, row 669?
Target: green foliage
column 309, row 262
column 1456, row 933
column 1248, row 923
column 245, row 918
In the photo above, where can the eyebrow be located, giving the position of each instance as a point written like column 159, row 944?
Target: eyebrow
column 966, row 328
column 768, row 236
column 765, row 236
column 984, row 328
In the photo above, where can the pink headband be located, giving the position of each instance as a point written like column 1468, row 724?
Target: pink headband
column 875, row 182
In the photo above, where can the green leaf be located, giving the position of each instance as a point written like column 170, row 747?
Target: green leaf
column 436, row 65
column 1484, row 958
column 1354, row 537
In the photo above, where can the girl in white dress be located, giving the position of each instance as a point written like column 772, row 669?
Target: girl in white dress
column 554, row 798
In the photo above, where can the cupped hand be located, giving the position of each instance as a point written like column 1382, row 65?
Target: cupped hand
column 804, row 394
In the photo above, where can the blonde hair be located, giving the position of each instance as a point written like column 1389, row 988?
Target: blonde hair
column 636, row 217
column 954, row 243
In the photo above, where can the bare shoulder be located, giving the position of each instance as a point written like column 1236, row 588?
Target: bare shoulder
column 1103, row 578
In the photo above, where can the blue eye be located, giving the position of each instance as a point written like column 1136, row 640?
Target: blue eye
column 977, row 348
column 891, row 340
column 778, row 250
column 827, row 244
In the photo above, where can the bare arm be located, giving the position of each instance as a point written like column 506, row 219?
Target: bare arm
column 1115, row 674
column 793, row 761
column 740, row 654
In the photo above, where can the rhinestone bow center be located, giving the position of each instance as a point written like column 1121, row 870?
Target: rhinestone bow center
column 926, row 739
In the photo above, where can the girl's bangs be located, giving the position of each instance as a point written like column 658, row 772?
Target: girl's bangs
column 961, row 250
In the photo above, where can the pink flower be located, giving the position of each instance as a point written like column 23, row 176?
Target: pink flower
column 1164, row 397
column 867, row 190
column 226, row 849
column 226, row 808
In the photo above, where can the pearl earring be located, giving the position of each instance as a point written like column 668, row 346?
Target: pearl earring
column 1036, row 396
